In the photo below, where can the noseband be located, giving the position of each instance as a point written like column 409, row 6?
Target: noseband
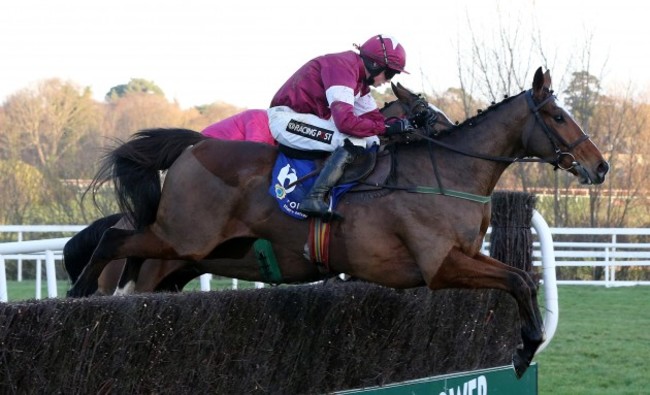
column 423, row 105
column 553, row 136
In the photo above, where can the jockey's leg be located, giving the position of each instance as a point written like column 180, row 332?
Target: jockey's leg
column 314, row 203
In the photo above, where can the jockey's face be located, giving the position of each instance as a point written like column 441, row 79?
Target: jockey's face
column 383, row 77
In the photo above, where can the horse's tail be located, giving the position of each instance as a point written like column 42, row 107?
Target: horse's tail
column 79, row 249
column 134, row 168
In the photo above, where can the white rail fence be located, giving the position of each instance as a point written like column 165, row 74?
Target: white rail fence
column 611, row 253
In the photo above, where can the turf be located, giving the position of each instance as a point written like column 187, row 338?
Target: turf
column 602, row 342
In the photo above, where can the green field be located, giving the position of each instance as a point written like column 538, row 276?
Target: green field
column 602, row 343
column 26, row 289
column 601, row 346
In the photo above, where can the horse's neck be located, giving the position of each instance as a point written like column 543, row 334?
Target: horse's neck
column 496, row 134
column 499, row 132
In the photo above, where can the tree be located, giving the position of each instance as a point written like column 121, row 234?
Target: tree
column 47, row 122
column 136, row 85
column 214, row 112
column 136, row 110
column 621, row 125
column 582, row 96
column 457, row 104
column 22, row 190
column 9, row 141
column 495, row 60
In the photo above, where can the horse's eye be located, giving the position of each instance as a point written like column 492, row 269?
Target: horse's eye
column 559, row 118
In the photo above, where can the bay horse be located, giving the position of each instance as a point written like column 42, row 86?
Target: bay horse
column 173, row 275
column 426, row 229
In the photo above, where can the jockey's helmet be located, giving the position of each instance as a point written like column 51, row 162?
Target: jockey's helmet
column 386, row 51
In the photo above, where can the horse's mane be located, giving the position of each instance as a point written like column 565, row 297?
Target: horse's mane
column 471, row 121
column 468, row 123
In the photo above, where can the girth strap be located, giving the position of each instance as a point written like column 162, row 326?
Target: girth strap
column 318, row 243
column 267, row 261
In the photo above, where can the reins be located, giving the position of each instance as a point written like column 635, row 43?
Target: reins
column 552, row 135
column 433, row 191
column 555, row 139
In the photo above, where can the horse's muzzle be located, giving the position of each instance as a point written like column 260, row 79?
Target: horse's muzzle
column 586, row 177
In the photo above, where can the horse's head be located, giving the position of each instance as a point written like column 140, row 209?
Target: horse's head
column 409, row 104
column 554, row 135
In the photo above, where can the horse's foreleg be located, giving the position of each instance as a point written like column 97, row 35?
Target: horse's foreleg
column 129, row 277
column 154, row 272
column 147, row 275
column 460, row 271
column 110, row 277
column 530, row 329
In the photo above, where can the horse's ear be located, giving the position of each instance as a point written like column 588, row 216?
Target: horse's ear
column 538, row 80
column 394, row 88
column 400, row 92
column 547, row 79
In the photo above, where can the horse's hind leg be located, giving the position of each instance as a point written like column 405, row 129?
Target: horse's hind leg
column 119, row 243
column 461, row 271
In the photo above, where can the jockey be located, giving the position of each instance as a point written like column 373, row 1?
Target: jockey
column 326, row 106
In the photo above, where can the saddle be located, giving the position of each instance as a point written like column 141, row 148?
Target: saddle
column 369, row 170
column 373, row 166
column 295, row 172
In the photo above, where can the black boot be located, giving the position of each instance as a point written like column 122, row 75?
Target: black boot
column 314, row 203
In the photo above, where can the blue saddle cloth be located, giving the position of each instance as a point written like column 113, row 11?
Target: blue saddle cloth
column 289, row 192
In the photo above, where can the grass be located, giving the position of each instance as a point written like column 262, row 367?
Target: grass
column 602, row 343
column 25, row 290
column 601, row 346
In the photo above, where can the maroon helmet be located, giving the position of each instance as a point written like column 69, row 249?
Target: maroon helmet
column 385, row 51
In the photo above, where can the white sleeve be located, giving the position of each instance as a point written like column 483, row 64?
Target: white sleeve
column 340, row 93
column 364, row 104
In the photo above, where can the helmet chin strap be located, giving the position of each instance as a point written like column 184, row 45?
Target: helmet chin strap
column 373, row 69
column 370, row 81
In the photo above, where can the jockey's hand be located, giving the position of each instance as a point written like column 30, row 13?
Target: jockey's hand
column 400, row 126
column 423, row 119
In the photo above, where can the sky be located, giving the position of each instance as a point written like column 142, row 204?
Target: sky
column 240, row 52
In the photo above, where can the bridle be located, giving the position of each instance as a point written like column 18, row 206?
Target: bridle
column 553, row 136
column 555, row 139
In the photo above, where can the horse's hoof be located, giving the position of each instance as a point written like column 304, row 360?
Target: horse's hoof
column 76, row 292
column 519, row 364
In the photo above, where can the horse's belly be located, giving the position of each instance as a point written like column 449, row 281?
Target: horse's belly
column 392, row 267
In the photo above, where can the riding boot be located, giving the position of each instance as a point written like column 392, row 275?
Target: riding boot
column 314, row 203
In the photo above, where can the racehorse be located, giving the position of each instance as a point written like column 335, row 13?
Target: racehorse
column 173, row 275
column 427, row 229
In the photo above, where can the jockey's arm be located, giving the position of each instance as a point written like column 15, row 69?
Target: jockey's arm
column 368, row 123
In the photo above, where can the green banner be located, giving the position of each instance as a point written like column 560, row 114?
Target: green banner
column 494, row 381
